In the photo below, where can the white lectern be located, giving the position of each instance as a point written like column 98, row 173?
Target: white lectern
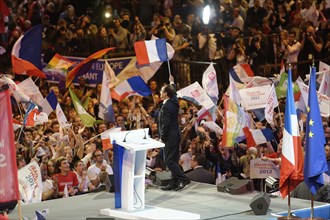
column 136, row 144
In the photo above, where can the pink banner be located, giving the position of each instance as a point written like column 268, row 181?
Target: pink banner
column 8, row 168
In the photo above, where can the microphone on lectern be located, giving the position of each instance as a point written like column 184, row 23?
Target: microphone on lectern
column 126, row 135
column 145, row 134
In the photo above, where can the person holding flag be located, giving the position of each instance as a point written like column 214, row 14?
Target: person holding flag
column 169, row 133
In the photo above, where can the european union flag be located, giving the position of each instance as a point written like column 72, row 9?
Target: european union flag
column 315, row 159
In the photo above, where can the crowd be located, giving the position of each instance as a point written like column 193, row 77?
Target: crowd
column 238, row 32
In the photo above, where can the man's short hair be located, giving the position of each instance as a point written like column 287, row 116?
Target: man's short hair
column 200, row 159
column 169, row 89
column 58, row 164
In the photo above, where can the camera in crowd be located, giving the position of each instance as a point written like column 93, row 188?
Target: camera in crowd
column 188, row 51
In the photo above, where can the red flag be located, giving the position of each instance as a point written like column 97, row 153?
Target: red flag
column 249, row 138
column 84, row 66
column 4, row 11
column 8, row 169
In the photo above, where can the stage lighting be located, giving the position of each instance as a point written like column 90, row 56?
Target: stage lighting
column 107, row 15
column 206, row 14
column 272, row 183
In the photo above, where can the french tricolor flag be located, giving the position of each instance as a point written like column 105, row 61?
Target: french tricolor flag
column 241, row 73
column 150, row 51
column 132, row 86
column 292, row 155
column 49, row 104
column 26, row 53
column 255, row 137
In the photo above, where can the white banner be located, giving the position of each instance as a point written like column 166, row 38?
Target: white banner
column 271, row 103
column 196, row 94
column 324, row 101
column 261, row 169
column 209, row 82
column 325, row 84
column 29, row 88
column 30, row 183
column 255, row 97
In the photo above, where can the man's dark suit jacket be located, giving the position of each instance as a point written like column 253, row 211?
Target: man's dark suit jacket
column 168, row 126
column 201, row 175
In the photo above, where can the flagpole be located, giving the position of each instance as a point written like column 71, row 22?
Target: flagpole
column 279, row 111
column 19, row 209
column 312, row 206
column 289, row 199
column 169, row 68
column 92, row 138
column 95, row 136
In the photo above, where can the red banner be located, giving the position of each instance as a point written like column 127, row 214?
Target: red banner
column 8, row 167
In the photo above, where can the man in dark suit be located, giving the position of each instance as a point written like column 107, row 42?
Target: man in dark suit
column 199, row 174
column 169, row 133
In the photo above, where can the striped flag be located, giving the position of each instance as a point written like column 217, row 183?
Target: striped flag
column 255, row 137
column 132, row 86
column 241, row 73
column 292, row 155
column 49, row 103
column 151, row 51
column 86, row 118
column 26, row 53
column 59, row 63
column 234, row 121
column 84, row 66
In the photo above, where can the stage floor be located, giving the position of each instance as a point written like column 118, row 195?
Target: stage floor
column 203, row 199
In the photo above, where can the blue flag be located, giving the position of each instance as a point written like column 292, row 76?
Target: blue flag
column 315, row 159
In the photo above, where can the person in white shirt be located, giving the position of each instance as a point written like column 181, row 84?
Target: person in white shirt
column 84, row 183
column 292, row 47
column 99, row 166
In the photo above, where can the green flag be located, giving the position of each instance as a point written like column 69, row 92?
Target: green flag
column 86, row 118
column 282, row 86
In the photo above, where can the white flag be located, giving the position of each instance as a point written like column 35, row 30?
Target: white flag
column 324, row 101
column 66, row 192
column 325, row 84
column 63, row 122
column 109, row 80
column 271, row 103
column 29, row 88
column 195, row 93
column 15, row 90
column 233, row 90
column 40, row 118
column 210, row 84
column 30, row 183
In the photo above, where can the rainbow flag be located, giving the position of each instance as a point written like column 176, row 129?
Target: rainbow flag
column 59, row 63
column 234, row 121
column 84, row 66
